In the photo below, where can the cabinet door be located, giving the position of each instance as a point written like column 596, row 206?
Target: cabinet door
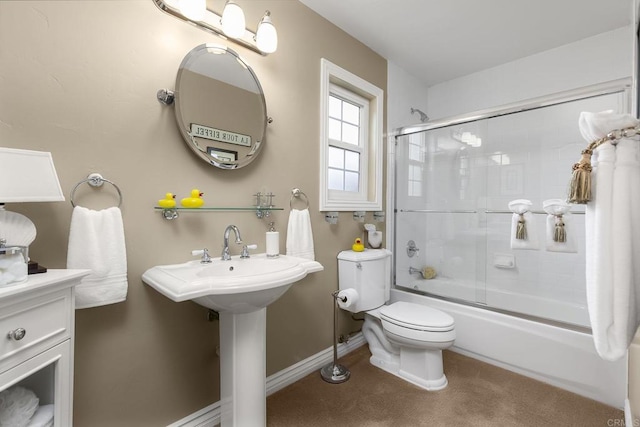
column 49, row 376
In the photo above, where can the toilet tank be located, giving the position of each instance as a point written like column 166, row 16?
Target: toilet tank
column 369, row 274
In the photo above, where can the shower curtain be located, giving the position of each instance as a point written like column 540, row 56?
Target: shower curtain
column 613, row 235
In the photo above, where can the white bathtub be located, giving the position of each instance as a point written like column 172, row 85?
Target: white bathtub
column 562, row 357
column 557, row 310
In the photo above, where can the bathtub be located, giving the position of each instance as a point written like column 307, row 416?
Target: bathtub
column 559, row 356
column 569, row 312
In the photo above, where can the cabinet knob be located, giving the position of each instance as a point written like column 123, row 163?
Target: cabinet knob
column 17, row 334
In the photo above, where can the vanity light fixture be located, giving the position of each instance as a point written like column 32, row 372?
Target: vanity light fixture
column 267, row 36
column 230, row 25
column 193, row 9
column 232, row 21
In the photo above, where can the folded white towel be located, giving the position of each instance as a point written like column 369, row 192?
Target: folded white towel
column 558, row 211
column 300, row 235
column 43, row 417
column 17, row 406
column 569, row 244
column 520, row 209
column 96, row 242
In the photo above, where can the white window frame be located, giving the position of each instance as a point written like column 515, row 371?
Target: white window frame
column 369, row 196
column 362, row 148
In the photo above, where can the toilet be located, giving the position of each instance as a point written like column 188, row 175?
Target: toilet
column 405, row 339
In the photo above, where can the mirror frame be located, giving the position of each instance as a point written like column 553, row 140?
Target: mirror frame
column 184, row 127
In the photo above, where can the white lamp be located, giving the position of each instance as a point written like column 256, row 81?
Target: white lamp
column 266, row 35
column 25, row 176
column 233, row 22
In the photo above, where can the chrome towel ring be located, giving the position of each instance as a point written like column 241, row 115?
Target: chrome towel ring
column 296, row 193
column 95, row 180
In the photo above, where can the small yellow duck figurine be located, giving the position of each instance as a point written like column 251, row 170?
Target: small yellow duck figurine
column 168, row 202
column 357, row 245
column 195, row 201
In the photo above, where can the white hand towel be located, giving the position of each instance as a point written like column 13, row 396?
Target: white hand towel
column 569, row 244
column 300, row 235
column 558, row 211
column 43, row 417
column 612, row 236
column 96, row 242
column 519, row 208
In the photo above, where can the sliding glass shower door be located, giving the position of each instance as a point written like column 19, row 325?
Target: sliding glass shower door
column 453, row 226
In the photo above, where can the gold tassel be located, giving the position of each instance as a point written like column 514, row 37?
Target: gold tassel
column 521, row 229
column 559, row 234
column 580, row 187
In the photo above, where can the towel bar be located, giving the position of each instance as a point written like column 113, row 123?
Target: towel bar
column 296, row 193
column 95, row 180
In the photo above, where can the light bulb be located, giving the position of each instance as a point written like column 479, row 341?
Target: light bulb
column 267, row 36
column 233, row 23
column 193, row 9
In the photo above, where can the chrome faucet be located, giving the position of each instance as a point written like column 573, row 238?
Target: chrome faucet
column 225, row 248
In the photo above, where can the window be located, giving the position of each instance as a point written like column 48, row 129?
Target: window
column 351, row 142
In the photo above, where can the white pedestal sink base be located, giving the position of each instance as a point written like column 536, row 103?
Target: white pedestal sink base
column 243, row 393
column 240, row 290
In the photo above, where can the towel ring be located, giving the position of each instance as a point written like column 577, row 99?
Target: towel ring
column 296, row 193
column 95, row 180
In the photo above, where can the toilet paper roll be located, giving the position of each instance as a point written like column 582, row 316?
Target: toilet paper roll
column 347, row 298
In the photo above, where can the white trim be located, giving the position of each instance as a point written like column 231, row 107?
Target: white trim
column 205, row 417
column 333, row 74
column 210, row 415
column 628, row 414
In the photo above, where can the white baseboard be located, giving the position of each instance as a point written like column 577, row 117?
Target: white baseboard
column 210, row 416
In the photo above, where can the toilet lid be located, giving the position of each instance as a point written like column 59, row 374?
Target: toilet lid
column 416, row 316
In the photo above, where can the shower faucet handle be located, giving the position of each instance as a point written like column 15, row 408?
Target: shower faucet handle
column 412, row 250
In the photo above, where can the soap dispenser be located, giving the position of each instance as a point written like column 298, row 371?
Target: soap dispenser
column 273, row 242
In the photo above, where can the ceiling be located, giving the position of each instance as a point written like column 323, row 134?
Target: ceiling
column 438, row 40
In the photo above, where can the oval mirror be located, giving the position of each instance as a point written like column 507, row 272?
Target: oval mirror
column 220, row 107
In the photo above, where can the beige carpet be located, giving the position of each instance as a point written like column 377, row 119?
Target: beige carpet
column 478, row 394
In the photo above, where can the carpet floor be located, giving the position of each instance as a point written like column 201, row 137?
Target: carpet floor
column 478, row 394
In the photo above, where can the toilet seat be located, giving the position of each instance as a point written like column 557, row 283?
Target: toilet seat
column 416, row 317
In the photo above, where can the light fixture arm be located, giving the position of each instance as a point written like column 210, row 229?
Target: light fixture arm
column 210, row 22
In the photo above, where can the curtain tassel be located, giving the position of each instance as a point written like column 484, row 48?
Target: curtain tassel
column 559, row 234
column 521, row 229
column 580, row 187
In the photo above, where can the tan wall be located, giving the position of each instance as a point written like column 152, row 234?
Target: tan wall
column 79, row 79
column 634, row 379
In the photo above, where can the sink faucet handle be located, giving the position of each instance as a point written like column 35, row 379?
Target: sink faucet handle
column 245, row 250
column 206, row 258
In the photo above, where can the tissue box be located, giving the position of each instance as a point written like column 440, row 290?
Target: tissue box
column 13, row 264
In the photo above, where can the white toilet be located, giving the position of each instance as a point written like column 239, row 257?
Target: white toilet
column 405, row 339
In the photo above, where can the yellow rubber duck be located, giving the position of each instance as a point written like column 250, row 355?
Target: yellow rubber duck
column 168, row 201
column 195, row 201
column 357, row 245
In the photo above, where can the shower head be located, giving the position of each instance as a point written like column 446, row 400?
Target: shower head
column 423, row 117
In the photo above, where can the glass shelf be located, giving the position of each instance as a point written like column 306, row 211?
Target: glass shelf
column 172, row 213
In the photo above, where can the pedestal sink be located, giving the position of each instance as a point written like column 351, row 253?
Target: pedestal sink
column 240, row 290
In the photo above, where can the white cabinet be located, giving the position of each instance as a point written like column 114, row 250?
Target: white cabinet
column 36, row 338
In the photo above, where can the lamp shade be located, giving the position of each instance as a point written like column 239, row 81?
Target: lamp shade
column 28, row 176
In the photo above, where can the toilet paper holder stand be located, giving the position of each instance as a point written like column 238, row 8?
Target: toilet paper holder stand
column 335, row 373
